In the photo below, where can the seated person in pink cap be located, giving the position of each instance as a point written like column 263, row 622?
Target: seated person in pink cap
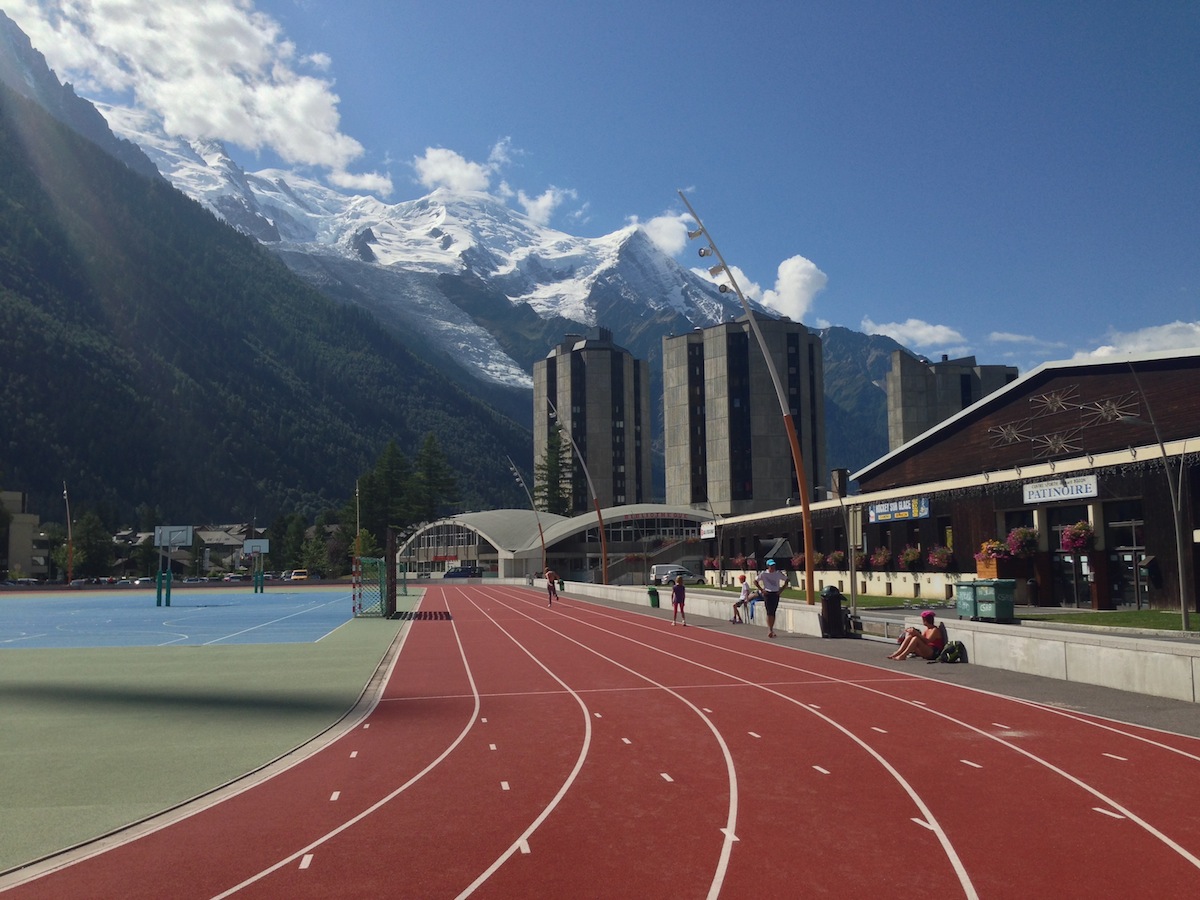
column 926, row 643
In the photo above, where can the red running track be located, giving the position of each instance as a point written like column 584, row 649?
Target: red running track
column 520, row 750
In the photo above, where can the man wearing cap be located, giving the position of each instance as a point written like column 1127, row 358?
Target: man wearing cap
column 927, row 643
column 771, row 583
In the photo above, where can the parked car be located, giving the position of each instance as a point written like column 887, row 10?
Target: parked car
column 464, row 572
column 299, row 575
column 666, row 574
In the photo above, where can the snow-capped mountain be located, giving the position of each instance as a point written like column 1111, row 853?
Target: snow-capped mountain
column 412, row 262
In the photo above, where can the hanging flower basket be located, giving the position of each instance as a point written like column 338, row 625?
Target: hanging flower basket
column 992, row 549
column 910, row 558
column 880, row 557
column 939, row 557
column 1022, row 542
column 836, row 560
column 1079, row 538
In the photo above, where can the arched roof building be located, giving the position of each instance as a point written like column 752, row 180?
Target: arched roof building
column 508, row 543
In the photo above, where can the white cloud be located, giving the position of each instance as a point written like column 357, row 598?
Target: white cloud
column 667, row 232
column 1173, row 336
column 445, row 168
column 798, row 282
column 915, row 333
column 540, row 209
column 217, row 70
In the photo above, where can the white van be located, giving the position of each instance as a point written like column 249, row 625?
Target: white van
column 667, row 574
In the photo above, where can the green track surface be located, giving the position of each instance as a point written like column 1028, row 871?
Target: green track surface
column 95, row 739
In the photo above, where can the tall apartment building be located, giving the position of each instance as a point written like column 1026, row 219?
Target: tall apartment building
column 920, row 394
column 603, row 396
column 725, row 442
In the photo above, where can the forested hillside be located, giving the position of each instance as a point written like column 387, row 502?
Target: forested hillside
column 151, row 355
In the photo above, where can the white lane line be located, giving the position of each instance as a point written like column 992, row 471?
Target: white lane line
column 706, row 709
column 729, row 835
column 597, row 715
column 973, row 765
column 877, row 728
column 626, row 741
column 366, row 726
column 504, row 785
column 822, row 771
column 523, row 846
column 917, row 702
column 353, row 754
column 491, row 746
column 1117, row 758
column 1004, row 727
column 924, row 824
column 306, row 861
column 334, row 796
column 1107, row 812
column 754, row 734
column 265, row 624
column 813, row 706
column 483, row 721
column 354, row 820
column 572, row 776
column 666, row 777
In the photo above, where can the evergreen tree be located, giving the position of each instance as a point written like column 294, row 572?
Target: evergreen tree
column 553, row 476
column 434, row 483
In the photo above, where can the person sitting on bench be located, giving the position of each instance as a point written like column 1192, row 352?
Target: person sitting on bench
column 927, row 643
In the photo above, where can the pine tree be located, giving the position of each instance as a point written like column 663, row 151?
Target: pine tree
column 553, row 476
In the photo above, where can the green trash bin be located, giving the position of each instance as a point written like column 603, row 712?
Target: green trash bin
column 653, row 592
column 966, row 600
column 995, row 599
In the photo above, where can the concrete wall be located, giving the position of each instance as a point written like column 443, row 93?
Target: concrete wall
column 1159, row 667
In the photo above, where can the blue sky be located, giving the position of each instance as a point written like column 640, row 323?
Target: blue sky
column 1015, row 180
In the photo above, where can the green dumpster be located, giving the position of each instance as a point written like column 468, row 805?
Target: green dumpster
column 965, row 600
column 653, row 592
column 995, row 599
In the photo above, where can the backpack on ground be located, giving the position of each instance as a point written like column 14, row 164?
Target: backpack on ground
column 953, row 652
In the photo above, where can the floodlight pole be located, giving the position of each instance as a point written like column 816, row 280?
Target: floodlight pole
column 512, row 467
column 789, row 425
column 1174, row 488
column 70, row 539
column 591, row 487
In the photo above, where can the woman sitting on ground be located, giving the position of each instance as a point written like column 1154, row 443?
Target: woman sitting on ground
column 927, row 643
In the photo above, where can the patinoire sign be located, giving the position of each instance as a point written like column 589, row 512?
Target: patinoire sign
column 1061, row 489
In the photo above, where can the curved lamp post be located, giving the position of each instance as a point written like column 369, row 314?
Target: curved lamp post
column 521, row 481
column 591, row 487
column 1174, row 488
column 789, row 426
column 70, row 540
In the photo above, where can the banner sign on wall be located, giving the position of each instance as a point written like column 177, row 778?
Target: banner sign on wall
column 898, row 510
column 1061, row 489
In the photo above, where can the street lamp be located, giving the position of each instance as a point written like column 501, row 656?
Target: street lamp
column 521, row 481
column 70, row 540
column 789, row 426
column 591, row 487
column 1174, row 489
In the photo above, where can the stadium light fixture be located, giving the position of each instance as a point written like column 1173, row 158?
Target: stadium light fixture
column 1174, row 489
column 591, row 487
column 789, row 426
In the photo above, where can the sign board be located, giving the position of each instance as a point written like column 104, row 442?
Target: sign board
column 1061, row 489
column 256, row 547
column 708, row 531
column 172, row 536
column 899, row 510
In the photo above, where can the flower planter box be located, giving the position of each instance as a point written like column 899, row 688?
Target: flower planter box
column 1002, row 568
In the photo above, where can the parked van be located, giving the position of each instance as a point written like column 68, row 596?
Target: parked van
column 299, row 575
column 667, row 574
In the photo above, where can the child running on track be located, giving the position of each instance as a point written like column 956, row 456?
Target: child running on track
column 677, row 595
column 551, row 586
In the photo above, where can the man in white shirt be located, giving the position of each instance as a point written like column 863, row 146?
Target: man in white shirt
column 771, row 583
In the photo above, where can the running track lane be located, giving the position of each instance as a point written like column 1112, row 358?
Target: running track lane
column 836, row 777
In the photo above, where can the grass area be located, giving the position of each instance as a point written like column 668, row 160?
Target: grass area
column 1157, row 619
column 94, row 739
